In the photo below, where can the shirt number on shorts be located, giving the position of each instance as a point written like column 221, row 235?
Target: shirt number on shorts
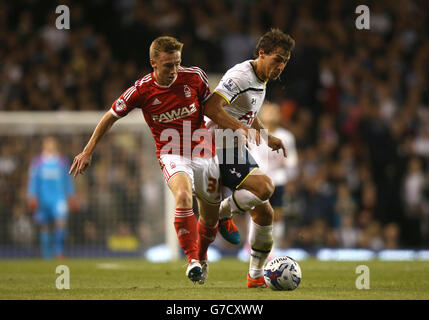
column 212, row 185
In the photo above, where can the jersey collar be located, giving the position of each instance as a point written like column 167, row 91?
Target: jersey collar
column 161, row 86
column 254, row 70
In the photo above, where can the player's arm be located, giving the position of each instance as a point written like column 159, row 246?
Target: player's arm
column 273, row 142
column 214, row 109
column 83, row 159
column 128, row 100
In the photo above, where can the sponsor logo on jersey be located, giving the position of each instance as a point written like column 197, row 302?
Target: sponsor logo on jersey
column 175, row 114
column 120, row 105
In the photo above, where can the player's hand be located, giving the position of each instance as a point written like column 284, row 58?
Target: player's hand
column 251, row 135
column 276, row 144
column 80, row 163
column 32, row 204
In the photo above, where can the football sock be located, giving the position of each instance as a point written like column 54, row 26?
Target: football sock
column 206, row 236
column 243, row 200
column 186, row 229
column 225, row 209
column 261, row 243
column 45, row 241
column 59, row 239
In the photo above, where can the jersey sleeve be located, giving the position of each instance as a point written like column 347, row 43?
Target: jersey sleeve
column 128, row 100
column 231, row 85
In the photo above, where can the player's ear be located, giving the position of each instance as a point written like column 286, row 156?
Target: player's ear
column 152, row 63
column 261, row 53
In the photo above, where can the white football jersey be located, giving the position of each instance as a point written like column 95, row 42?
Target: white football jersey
column 244, row 92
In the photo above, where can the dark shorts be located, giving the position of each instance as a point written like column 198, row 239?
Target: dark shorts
column 234, row 166
column 277, row 198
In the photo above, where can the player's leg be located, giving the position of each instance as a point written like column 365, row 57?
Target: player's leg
column 59, row 233
column 184, row 220
column 43, row 218
column 253, row 191
column 45, row 241
column 207, row 191
column 227, row 227
column 207, row 230
column 179, row 175
column 185, row 223
column 251, row 188
column 261, row 242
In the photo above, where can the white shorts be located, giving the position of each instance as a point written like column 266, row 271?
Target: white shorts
column 203, row 172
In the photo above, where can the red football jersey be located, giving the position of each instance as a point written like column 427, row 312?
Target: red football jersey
column 174, row 113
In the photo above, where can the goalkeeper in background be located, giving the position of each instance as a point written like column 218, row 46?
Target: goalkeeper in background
column 51, row 194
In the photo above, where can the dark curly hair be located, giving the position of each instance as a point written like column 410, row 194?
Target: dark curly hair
column 273, row 39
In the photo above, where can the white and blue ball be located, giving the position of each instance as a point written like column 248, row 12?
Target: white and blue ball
column 282, row 273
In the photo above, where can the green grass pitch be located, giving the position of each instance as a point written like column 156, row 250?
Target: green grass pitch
column 93, row 279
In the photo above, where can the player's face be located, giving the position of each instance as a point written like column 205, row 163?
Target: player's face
column 166, row 66
column 274, row 63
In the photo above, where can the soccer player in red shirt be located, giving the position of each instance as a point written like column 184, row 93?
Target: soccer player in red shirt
column 171, row 99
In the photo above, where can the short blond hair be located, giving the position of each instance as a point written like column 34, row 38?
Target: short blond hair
column 164, row 44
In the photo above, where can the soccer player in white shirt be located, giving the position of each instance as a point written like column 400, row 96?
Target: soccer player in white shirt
column 241, row 93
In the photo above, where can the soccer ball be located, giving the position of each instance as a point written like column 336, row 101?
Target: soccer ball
column 282, row 273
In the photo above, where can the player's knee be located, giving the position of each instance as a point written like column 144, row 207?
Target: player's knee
column 183, row 199
column 266, row 188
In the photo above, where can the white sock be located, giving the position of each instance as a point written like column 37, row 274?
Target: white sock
column 261, row 243
column 225, row 209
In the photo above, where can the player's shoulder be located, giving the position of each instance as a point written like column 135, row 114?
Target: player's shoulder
column 193, row 73
column 241, row 73
column 242, row 69
column 144, row 81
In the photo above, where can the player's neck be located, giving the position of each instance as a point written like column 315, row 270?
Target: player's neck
column 257, row 68
column 161, row 82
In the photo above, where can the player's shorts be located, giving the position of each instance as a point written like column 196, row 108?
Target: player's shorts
column 49, row 213
column 235, row 166
column 277, row 199
column 203, row 172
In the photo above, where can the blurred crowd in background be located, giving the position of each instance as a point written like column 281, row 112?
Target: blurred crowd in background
column 119, row 199
column 357, row 101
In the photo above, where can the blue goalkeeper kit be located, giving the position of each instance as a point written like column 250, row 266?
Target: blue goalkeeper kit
column 51, row 185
